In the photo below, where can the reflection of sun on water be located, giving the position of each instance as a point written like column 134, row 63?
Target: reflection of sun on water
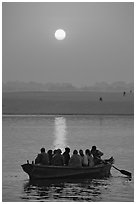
column 60, row 133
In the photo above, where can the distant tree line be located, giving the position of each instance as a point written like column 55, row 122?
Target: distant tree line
column 18, row 86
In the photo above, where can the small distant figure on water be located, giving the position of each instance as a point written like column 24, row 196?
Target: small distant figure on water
column 66, row 156
column 57, row 159
column 131, row 91
column 75, row 160
column 96, row 155
column 124, row 93
column 42, row 158
column 100, row 99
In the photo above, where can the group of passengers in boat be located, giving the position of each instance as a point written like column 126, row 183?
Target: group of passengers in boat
column 78, row 159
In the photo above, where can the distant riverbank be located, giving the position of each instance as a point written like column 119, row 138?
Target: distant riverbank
column 67, row 103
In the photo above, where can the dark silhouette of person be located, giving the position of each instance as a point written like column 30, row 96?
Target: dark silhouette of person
column 89, row 157
column 124, row 93
column 66, row 156
column 96, row 155
column 100, row 99
column 54, row 152
column 57, row 159
column 50, row 155
column 42, row 158
column 75, row 159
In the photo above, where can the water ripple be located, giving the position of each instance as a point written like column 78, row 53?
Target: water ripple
column 70, row 190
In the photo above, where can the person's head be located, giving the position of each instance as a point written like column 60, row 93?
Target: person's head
column 93, row 148
column 50, row 152
column 87, row 151
column 55, row 151
column 59, row 151
column 75, row 152
column 42, row 150
column 81, row 152
column 67, row 149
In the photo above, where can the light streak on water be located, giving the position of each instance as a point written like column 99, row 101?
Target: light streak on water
column 60, row 133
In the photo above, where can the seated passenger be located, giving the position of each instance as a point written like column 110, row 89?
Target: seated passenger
column 54, row 152
column 75, row 160
column 42, row 158
column 57, row 159
column 96, row 155
column 66, row 156
column 90, row 158
column 84, row 159
column 50, row 155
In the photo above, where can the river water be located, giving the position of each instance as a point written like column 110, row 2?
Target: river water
column 23, row 136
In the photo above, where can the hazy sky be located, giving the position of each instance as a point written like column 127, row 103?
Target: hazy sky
column 98, row 44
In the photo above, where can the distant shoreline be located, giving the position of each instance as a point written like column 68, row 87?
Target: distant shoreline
column 34, row 115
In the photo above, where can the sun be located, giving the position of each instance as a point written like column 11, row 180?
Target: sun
column 60, row 34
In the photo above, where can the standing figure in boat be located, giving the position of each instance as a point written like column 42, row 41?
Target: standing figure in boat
column 84, row 159
column 96, row 155
column 75, row 160
column 66, row 156
column 42, row 158
column 57, row 159
column 90, row 158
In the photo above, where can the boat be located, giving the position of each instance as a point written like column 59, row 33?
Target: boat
column 36, row 171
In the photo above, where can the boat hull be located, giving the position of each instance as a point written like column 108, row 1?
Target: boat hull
column 51, row 172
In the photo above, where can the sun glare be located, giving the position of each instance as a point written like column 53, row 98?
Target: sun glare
column 60, row 34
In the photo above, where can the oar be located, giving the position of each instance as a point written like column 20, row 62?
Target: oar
column 127, row 173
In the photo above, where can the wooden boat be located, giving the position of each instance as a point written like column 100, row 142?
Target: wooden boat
column 36, row 171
